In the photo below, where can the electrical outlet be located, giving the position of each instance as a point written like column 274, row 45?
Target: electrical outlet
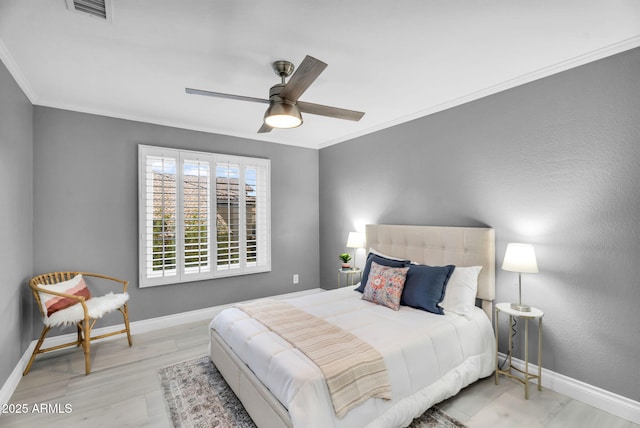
column 296, row 278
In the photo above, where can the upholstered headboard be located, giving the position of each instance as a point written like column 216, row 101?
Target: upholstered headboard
column 437, row 246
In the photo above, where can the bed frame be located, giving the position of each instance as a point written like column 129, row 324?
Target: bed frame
column 432, row 245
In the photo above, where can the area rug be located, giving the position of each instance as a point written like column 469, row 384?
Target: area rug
column 197, row 396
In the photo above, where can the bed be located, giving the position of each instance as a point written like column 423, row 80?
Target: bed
column 429, row 357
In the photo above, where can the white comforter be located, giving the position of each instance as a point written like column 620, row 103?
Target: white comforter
column 429, row 358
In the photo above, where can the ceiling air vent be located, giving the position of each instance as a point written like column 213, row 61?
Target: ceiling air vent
column 96, row 8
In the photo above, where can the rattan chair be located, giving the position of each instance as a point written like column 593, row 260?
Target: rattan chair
column 83, row 313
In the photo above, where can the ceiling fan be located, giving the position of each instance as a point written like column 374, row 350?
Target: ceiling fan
column 284, row 107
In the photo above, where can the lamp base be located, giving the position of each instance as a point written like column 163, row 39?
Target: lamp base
column 521, row 308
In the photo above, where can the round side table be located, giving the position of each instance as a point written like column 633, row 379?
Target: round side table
column 350, row 274
column 522, row 376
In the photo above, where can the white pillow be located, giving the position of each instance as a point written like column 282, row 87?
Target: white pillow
column 460, row 294
column 378, row 253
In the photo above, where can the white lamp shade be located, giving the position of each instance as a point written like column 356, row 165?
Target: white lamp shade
column 355, row 240
column 520, row 258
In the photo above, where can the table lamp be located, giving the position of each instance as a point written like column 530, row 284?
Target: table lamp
column 520, row 258
column 355, row 241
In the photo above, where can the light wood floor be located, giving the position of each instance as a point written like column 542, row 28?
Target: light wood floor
column 123, row 390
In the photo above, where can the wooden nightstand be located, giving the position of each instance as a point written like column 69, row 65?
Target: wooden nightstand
column 524, row 376
column 349, row 273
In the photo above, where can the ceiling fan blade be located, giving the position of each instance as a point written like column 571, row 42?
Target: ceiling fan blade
column 264, row 128
column 228, row 96
column 335, row 112
column 308, row 71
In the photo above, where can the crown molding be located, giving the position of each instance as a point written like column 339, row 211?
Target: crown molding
column 17, row 74
column 574, row 62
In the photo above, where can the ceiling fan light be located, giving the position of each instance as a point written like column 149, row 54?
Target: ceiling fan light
column 281, row 114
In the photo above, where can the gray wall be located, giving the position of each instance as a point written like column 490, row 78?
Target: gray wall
column 555, row 163
column 16, row 218
column 86, row 208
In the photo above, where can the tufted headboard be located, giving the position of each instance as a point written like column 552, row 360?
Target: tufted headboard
column 437, row 246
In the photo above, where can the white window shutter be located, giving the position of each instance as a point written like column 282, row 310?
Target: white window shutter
column 196, row 216
column 202, row 215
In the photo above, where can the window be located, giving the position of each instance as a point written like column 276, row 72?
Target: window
column 202, row 215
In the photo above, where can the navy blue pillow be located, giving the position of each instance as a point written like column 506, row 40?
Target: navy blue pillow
column 381, row 261
column 425, row 286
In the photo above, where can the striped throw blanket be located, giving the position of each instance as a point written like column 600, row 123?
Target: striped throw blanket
column 353, row 369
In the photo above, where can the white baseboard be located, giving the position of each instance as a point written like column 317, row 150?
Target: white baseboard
column 13, row 380
column 599, row 398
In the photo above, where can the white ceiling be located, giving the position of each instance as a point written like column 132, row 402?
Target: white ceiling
column 396, row 61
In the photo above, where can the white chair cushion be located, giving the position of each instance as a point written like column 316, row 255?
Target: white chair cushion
column 97, row 307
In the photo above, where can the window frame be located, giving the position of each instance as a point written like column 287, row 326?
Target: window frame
column 263, row 223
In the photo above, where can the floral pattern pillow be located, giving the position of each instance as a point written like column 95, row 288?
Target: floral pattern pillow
column 384, row 285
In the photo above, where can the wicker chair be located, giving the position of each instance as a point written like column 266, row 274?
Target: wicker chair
column 83, row 313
